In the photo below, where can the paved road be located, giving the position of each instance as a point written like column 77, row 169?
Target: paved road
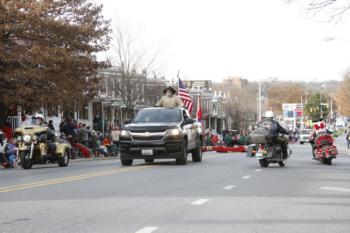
column 225, row 193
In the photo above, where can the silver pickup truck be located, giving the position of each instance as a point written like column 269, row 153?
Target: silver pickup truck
column 161, row 133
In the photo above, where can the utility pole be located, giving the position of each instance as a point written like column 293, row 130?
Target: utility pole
column 259, row 101
column 321, row 115
column 331, row 109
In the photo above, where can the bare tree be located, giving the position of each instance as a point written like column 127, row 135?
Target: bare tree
column 343, row 95
column 130, row 82
column 241, row 105
column 335, row 9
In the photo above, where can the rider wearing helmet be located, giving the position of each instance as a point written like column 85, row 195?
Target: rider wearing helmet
column 269, row 123
column 39, row 119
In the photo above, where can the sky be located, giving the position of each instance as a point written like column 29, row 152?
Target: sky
column 252, row 39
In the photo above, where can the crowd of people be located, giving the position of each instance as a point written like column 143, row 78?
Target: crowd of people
column 228, row 138
column 87, row 141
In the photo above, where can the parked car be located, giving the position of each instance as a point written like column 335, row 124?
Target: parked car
column 161, row 133
column 304, row 136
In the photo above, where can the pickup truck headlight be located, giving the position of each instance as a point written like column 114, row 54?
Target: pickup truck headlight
column 26, row 138
column 125, row 134
column 173, row 134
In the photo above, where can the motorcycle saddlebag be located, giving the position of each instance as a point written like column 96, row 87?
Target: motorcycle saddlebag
column 323, row 139
column 261, row 136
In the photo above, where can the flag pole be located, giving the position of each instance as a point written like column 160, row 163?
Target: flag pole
column 178, row 83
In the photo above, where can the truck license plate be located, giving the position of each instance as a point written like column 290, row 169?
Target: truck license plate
column 147, row 152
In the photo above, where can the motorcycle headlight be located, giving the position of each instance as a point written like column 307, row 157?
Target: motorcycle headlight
column 125, row 134
column 26, row 138
column 174, row 133
column 19, row 138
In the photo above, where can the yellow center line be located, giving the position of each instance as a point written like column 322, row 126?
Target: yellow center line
column 69, row 179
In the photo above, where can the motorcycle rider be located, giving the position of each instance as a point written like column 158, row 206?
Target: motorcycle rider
column 170, row 99
column 50, row 136
column 269, row 123
column 319, row 127
column 39, row 120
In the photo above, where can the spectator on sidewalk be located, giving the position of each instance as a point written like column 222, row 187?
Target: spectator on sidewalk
column 51, row 126
column 8, row 131
column 348, row 139
column 11, row 152
column 115, row 133
column 68, row 128
column 228, row 139
column 3, row 158
column 83, row 134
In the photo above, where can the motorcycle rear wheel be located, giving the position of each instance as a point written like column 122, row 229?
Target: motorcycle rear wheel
column 282, row 163
column 328, row 161
column 263, row 162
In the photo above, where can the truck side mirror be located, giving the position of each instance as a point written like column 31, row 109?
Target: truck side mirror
column 189, row 121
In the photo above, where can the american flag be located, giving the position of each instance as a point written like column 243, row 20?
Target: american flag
column 185, row 97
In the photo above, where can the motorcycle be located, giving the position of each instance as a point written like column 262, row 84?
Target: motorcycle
column 267, row 152
column 323, row 148
column 37, row 146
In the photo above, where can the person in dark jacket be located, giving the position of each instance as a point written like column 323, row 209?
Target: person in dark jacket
column 51, row 126
column 276, row 129
column 68, row 129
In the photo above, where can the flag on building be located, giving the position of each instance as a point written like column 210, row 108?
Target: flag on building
column 199, row 110
column 185, row 96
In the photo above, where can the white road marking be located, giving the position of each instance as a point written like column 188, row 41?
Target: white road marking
column 258, row 170
column 336, row 189
column 245, row 177
column 229, row 187
column 200, row 202
column 147, row 230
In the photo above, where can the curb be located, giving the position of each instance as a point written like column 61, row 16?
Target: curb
column 92, row 159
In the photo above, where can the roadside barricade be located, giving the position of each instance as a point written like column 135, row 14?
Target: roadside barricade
column 224, row 149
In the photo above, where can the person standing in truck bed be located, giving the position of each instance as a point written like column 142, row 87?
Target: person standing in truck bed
column 170, row 99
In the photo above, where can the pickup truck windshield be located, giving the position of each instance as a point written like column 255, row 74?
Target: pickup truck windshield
column 157, row 115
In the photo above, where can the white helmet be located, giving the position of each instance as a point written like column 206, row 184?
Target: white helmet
column 269, row 114
column 38, row 115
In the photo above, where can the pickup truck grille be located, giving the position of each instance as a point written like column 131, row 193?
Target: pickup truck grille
column 147, row 138
column 148, row 130
column 147, row 135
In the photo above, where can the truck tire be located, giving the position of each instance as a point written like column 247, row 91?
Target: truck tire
column 197, row 153
column 64, row 160
column 125, row 162
column 149, row 160
column 25, row 163
column 183, row 159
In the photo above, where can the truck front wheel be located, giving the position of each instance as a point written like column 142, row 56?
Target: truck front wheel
column 183, row 159
column 197, row 153
column 125, row 162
